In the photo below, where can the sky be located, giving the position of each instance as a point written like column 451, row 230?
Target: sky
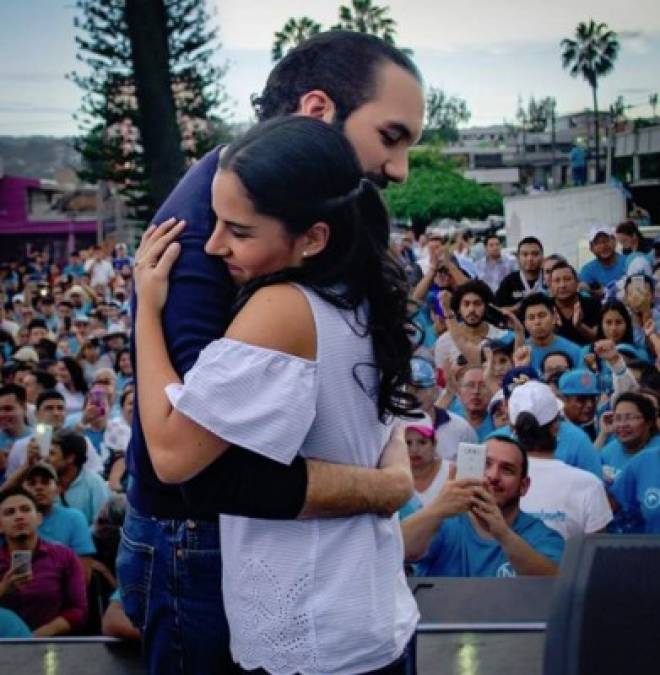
column 488, row 52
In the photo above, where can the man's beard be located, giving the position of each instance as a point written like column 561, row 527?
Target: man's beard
column 473, row 320
column 378, row 179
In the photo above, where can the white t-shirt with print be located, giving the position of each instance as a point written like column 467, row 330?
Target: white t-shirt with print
column 567, row 499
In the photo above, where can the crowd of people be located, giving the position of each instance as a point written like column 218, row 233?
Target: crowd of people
column 286, row 420
column 66, row 404
column 531, row 354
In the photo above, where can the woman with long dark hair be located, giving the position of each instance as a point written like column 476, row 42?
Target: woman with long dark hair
column 615, row 324
column 314, row 363
column 71, row 383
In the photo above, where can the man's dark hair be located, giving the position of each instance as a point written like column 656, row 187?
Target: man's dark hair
column 530, row 240
column 490, row 236
column 341, row 63
column 563, row 265
column 16, row 390
column 48, row 395
column 506, row 438
column 17, row 492
column 564, row 355
column 475, row 286
column 532, row 435
column 74, row 444
column 45, row 379
column 535, row 299
column 37, row 323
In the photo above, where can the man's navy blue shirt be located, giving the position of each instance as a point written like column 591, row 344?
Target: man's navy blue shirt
column 198, row 310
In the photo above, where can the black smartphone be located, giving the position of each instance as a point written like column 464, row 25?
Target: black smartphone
column 495, row 316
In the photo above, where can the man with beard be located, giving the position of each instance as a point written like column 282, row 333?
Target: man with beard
column 469, row 303
column 373, row 92
column 50, row 595
column 528, row 280
column 475, row 528
column 578, row 314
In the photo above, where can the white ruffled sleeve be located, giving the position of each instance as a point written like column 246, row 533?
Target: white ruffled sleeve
column 257, row 398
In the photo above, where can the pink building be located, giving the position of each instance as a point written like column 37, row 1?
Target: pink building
column 40, row 214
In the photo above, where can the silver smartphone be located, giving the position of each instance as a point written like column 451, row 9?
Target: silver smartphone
column 470, row 461
column 21, row 562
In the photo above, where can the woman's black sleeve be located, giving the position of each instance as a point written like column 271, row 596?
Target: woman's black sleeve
column 243, row 483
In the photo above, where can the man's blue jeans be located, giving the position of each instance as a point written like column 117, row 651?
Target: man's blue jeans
column 170, row 579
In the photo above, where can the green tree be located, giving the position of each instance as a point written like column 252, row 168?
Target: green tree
column 292, row 34
column 591, row 55
column 653, row 102
column 618, row 109
column 110, row 118
column 364, row 17
column 436, row 189
column 443, row 115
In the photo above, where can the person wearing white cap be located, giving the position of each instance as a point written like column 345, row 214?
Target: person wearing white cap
column 609, row 266
column 565, row 498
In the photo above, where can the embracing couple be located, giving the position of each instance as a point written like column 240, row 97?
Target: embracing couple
column 271, row 352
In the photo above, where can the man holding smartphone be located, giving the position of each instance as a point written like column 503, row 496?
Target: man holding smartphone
column 40, row 581
column 475, row 528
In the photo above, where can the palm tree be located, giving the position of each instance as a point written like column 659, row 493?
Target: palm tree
column 363, row 17
column 653, row 102
column 292, row 34
column 592, row 55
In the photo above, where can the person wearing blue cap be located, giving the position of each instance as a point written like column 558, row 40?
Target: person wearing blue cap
column 579, row 391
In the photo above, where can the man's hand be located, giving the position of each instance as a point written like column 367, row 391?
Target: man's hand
column 577, row 314
column 488, row 513
column 12, row 581
column 606, row 350
column 33, row 452
column 456, row 496
column 395, row 462
column 445, row 303
column 522, row 357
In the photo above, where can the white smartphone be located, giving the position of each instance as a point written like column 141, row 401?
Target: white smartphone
column 638, row 283
column 470, row 460
column 43, row 434
column 21, row 562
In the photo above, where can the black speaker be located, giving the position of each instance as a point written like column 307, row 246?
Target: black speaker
column 605, row 614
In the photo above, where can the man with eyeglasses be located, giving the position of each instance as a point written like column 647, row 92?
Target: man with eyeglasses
column 475, row 396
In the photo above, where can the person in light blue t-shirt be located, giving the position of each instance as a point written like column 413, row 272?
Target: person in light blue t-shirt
column 635, row 426
column 475, row 528
column 636, row 490
column 12, row 626
column 608, row 266
column 61, row 524
column 538, row 314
